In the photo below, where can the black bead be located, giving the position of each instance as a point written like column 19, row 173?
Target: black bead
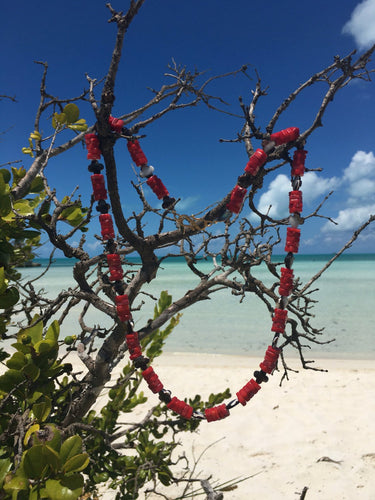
column 260, row 376
column 95, row 167
column 119, row 287
column 141, row 362
column 165, row 396
column 168, row 202
column 103, row 207
column 289, row 260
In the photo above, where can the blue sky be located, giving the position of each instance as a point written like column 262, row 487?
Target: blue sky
column 285, row 42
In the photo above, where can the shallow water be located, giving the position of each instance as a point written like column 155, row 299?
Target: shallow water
column 346, row 298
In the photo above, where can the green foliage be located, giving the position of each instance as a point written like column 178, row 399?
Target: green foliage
column 17, row 240
column 69, row 117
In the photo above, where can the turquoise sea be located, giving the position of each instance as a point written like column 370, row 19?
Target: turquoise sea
column 346, row 307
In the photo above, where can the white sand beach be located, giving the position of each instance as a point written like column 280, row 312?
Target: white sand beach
column 316, row 431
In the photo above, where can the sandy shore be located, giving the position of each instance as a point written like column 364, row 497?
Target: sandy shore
column 316, row 431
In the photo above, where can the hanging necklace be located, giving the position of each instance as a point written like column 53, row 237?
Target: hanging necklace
column 238, row 193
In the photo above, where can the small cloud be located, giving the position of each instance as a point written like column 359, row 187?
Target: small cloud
column 187, row 202
column 350, row 219
column 361, row 24
column 359, row 178
column 313, row 186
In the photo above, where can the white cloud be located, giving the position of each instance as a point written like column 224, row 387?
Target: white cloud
column 361, row 165
column 349, row 219
column 359, row 178
column 313, row 186
column 361, row 24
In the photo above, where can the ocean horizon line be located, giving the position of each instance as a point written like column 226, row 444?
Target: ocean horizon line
column 65, row 261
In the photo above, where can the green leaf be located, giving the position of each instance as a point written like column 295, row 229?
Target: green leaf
column 70, row 447
column 5, row 465
column 9, row 298
column 58, row 120
column 31, row 371
column 38, row 459
column 18, row 483
column 49, row 435
column 35, row 331
column 42, row 409
column 77, row 463
column 5, row 205
column 10, row 380
column 3, row 281
column 4, row 186
column 53, row 331
column 68, row 488
column 5, row 175
column 17, row 361
column 71, row 112
column 31, row 430
column 37, row 185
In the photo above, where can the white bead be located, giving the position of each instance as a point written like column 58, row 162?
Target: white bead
column 270, row 145
column 295, row 220
column 146, row 170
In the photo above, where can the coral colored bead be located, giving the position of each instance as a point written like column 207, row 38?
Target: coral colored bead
column 236, row 199
column 279, row 320
column 133, row 345
column 270, row 360
column 132, row 340
column 98, row 186
column 180, row 407
column 286, row 282
column 122, row 307
column 115, row 268
column 93, row 147
column 298, row 163
column 293, row 235
column 286, row 135
column 152, row 380
column 295, row 202
column 256, row 161
column 216, row 413
column 106, row 225
column 116, row 124
column 157, row 186
column 247, row 392
column 136, row 153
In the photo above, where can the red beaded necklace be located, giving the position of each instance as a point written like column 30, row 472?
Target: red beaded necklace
column 256, row 161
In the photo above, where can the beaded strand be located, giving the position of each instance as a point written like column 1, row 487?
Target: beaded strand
column 238, row 193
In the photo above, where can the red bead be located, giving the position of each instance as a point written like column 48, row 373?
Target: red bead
column 295, row 202
column 257, row 160
column 293, row 235
column 279, row 320
column 236, row 199
column 286, row 282
column 92, row 146
column 98, row 186
column 106, row 225
column 133, row 345
column 286, row 135
column 270, row 359
column 122, row 307
column 181, row 408
column 136, row 153
column 116, row 124
column 157, row 186
column 247, row 392
column 115, row 268
column 298, row 163
column 216, row 413
column 152, row 380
